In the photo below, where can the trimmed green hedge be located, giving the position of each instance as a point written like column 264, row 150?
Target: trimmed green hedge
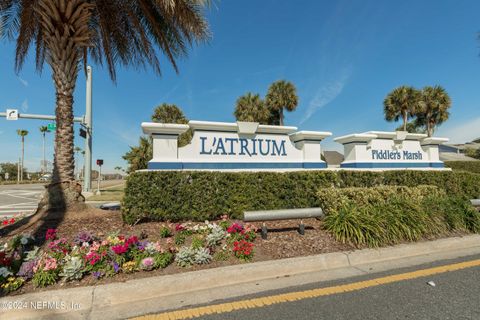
column 195, row 195
column 470, row 166
column 387, row 215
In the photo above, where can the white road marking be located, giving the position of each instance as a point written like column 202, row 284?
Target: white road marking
column 27, row 206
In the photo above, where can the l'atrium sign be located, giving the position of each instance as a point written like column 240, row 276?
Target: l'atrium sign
column 251, row 146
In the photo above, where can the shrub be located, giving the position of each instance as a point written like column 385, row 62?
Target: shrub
column 333, row 199
column 199, row 195
column 387, row 215
column 185, row 257
column 350, row 224
column 202, row 256
column 470, row 166
column 72, row 269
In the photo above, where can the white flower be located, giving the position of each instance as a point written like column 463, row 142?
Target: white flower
column 85, row 244
column 4, row 272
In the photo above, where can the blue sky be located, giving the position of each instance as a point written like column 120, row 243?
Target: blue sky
column 343, row 57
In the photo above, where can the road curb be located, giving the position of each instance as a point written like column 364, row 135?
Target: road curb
column 156, row 294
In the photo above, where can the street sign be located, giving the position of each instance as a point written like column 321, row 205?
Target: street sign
column 99, row 162
column 83, row 133
column 12, row 114
column 52, row 126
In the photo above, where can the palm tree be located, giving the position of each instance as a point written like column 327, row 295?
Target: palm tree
column 434, row 105
column 281, row 95
column 44, row 130
column 139, row 156
column 251, row 108
column 403, row 103
column 65, row 33
column 170, row 113
column 22, row 133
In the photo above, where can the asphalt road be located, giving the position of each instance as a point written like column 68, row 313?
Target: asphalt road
column 24, row 198
column 15, row 199
column 456, row 295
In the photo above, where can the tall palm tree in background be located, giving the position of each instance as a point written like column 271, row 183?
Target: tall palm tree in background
column 251, row 107
column 433, row 108
column 65, row 33
column 22, row 133
column 170, row 113
column 44, row 130
column 403, row 103
column 281, row 95
column 139, row 156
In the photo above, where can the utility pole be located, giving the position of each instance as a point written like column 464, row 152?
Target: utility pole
column 87, row 171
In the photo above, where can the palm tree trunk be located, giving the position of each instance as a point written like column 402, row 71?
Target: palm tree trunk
column 64, row 28
column 281, row 117
column 63, row 162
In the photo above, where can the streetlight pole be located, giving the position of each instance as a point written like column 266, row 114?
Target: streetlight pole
column 87, row 172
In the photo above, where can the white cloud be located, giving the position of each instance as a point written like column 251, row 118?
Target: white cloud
column 23, row 81
column 25, row 105
column 326, row 94
column 461, row 133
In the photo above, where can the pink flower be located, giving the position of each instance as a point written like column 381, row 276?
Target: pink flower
column 50, row 264
column 147, row 263
column 51, row 234
column 120, row 248
column 234, row 228
column 179, row 227
column 95, row 246
column 158, row 247
column 93, row 258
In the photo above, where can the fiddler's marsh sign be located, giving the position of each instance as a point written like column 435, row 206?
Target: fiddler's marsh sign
column 237, row 146
column 390, row 150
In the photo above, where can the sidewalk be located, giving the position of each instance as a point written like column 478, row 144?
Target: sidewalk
column 156, row 294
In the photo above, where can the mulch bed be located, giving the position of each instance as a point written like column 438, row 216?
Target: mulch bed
column 283, row 241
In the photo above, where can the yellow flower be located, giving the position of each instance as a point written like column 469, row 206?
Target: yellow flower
column 129, row 267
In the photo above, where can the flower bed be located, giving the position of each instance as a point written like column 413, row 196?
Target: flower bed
column 11, row 220
column 87, row 255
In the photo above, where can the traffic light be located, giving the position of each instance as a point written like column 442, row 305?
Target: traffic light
column 99, row 162
column 83, row 133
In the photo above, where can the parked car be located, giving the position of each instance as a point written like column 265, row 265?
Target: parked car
column 46, row 177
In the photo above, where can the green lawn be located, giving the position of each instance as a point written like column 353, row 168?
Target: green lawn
column 114, row 193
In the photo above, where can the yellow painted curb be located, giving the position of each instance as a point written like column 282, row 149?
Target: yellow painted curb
column 294, row 296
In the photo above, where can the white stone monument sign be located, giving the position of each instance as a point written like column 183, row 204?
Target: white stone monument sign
column 390, row 150
column 234, row 146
